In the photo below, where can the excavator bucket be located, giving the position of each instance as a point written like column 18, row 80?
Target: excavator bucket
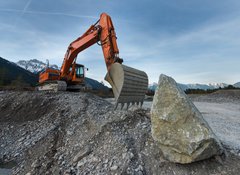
column 129, row 85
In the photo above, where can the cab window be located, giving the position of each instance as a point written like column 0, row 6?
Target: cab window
column 79, row 72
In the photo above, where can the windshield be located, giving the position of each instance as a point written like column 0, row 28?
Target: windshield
column 80, row 72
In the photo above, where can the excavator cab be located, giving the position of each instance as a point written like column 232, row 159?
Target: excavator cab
column 77, row 74
column 79, row 70
column 76, row 77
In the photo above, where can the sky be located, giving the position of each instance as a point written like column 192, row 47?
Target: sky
column 193, row 41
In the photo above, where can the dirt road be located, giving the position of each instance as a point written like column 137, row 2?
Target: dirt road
column 224, row 118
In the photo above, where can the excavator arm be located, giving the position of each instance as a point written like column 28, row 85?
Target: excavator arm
column 129, row 85
column 102, row 31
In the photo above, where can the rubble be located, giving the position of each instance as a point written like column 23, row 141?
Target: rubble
column 83, row 127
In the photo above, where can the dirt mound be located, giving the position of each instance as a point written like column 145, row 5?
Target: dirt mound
column 80, row 133
column 228, row 93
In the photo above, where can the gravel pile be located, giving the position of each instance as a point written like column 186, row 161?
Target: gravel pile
column 79, row 133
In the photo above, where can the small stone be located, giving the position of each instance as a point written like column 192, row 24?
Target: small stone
column 27, row 143
column 35, row 164
column 114, row 167
column 131, row 155
column 60, row 157
column 80, row 164
column 124, row 155
column 95, row 159
column 17, row 154
column 83, row 153
column 66, row 173
column 69, row 132
column 21, row 139
column 106, row 161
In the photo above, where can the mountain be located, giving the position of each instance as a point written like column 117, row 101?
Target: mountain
column 204, row 86
column 34, row 65
column 218, row 85
column 13, row 75
column 195, row 86
column 153, row 86
column 237, row 85
column 95, row 85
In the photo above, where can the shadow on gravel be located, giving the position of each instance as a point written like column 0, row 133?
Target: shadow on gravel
column 22, row 107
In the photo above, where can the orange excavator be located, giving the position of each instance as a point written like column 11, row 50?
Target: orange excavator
column 128, row 84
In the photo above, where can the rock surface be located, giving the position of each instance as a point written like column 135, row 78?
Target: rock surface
column 178, row 127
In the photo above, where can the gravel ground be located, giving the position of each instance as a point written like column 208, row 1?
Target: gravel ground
column 224, row 119
column 80, row 133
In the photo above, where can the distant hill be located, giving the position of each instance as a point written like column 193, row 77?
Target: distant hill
column 210, row 86
column 95, row 85
column 237, row 85
column 153, row 86
column 13, row 75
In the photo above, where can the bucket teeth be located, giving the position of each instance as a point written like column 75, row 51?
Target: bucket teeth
column 122, row 105
column 129, row 85
column 116, row 105
column 128, row 105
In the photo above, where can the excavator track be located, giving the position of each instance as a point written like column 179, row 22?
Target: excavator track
column 129, row 85
column 53, row 86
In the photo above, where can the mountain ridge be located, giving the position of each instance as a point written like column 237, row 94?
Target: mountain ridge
column 210, row 86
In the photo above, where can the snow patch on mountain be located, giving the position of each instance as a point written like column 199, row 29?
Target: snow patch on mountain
column 218, row 85
column 34, row 65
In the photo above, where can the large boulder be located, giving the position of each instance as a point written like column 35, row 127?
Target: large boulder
column 178, row 126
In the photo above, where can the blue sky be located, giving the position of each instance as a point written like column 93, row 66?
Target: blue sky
column 194, row 41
